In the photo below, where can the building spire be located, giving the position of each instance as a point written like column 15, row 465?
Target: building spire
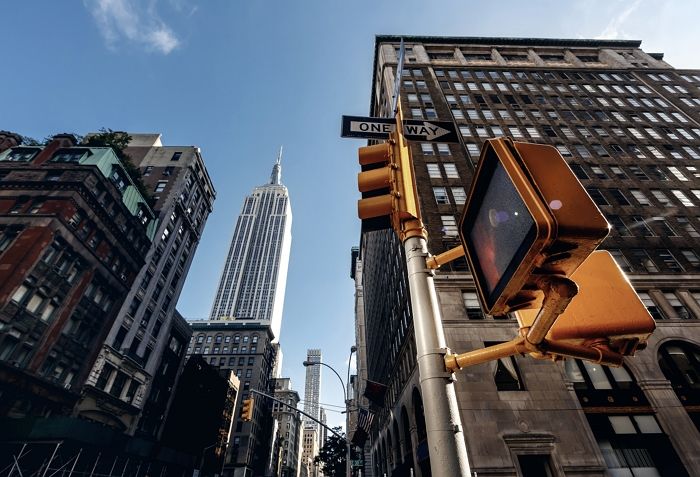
column 276, row 176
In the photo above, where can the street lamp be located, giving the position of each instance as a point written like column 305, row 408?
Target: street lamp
column 347, row 404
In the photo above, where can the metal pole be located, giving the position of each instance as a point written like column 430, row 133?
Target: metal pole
column 348, row 470
column 15, row 462
column 76, row 461
column 448, row 452
column 51, row 459
column 92, row 472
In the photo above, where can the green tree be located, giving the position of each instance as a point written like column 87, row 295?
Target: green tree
column 119, row 141
column 331, row 457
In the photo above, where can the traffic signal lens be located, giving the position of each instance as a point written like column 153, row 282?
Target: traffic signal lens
column 501, row 229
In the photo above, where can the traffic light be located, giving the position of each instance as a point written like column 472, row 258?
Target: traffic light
column 606, row 308
column 375, row 184
column 526, row 215
column 247, row 410
column 387, row 185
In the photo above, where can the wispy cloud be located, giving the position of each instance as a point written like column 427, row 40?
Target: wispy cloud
column 614, row 28
column 126, row 20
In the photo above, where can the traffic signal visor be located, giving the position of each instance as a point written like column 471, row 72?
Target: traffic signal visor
column 526, row 213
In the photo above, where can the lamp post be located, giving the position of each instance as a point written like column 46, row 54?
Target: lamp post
column 347, row 405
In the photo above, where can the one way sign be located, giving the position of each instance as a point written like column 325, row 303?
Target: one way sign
column 413, row 129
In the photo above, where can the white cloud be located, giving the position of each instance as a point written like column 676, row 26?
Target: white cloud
column 614, row 28
column 123, row 20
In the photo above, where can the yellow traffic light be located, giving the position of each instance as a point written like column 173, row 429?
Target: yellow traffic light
column 247, row 410
column 526, row 215
column 606, row 309
column 374, row 181
column 387, row 185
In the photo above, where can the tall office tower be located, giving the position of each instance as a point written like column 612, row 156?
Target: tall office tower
column 252, row 284
column 312, row 388
column 130, row 377
column 628, row 124
column 289, row 425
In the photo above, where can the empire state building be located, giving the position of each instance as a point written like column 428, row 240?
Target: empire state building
column 253, row 280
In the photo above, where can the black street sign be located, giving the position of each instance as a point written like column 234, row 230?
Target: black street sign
column 413, row 129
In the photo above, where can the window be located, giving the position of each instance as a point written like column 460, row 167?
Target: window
column 661, row 197
column 597, row 196
column 641, row 225
column 427, row 149
column 599, row 172
column 619, row 226
column 440, row 194
column 664, row 226
column 669, row 260
column 677, row 306
column 434, row 171
column 449, row 226
column 68, row 155
column 651, row 306
column 21, row 154
column 687, row 227
column 535, row 465
column 579, row 171
column 682, row 198
column 443, row 149
column 643, row 261
column 619, row 196
column 620, row 259
column 459, row 195
column 471, row 304
column 451, row 170
column 691, row 256
column 640, row 197
column 680, row 363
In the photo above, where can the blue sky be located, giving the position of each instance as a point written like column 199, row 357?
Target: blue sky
column 240, row 78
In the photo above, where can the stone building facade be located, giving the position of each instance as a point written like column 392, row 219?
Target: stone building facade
column 628, row 124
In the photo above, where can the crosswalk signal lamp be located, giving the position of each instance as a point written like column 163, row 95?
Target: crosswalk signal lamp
column 526, row 215
column 247, row 410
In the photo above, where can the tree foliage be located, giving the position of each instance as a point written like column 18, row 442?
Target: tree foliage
column 331, row 457
column 119, row 141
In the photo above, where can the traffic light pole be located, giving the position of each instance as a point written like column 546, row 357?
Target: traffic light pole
column 448, row 452
column 447, row 448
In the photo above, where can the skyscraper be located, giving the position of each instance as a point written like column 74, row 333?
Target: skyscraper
column 253, row 280
column 627, row 123
column 312, row 388
column 242, row 332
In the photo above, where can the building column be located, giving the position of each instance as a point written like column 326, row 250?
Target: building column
column 674, row 420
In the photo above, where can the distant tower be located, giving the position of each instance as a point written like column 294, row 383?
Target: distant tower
column 312, row 388
column 324, row 432
column 253, row 280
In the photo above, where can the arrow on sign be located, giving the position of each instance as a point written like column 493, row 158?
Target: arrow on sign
column 429, row 130
column 414, row 129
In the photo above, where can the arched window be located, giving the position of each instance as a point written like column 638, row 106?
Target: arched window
column 218, row 338
column 200, row 338
column 255, row 339
column 236, row 338
column 680, row 363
